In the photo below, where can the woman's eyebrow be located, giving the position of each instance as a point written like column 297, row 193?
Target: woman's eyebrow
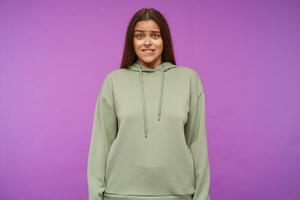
column 146, row 31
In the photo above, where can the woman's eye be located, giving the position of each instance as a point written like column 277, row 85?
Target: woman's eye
column 157, row 35
column 138, row 36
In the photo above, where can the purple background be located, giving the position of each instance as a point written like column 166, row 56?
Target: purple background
column 55, row 54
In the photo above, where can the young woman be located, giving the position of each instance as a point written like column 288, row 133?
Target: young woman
column 149, row 137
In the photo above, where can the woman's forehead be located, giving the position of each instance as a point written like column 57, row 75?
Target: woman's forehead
column 149, row 25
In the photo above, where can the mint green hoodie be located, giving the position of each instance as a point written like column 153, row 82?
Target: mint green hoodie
column 149, row 137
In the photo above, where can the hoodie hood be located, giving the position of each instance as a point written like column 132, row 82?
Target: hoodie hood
column 162, row 68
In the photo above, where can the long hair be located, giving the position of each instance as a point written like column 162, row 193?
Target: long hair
column 129, row 55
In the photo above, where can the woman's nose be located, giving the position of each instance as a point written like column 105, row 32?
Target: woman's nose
column 148, row 40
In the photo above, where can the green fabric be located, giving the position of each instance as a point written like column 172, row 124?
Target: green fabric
column 149, row 136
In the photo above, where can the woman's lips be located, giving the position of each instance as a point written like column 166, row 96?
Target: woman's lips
column 148, row 50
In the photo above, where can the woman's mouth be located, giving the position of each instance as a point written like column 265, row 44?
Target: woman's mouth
column 148, row 50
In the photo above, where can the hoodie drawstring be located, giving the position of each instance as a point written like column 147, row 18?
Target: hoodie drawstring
column 161, row 92
column 143, row 98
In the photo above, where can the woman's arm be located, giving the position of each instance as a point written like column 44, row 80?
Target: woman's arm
column 103, row 134
column 197, row 141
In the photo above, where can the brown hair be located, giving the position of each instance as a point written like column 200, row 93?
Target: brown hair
column 129, row 55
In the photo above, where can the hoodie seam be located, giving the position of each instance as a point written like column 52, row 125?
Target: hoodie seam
column 111, row 91
column 196, row 99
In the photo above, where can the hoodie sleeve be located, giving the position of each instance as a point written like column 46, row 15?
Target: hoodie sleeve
column 196, row 138
column 104, row 131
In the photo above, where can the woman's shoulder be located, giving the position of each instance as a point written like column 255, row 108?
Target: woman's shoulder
column 190, row 71
column 114, row 73
column 194, row 77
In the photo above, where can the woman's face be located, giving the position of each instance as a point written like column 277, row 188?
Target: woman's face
column 148, row 43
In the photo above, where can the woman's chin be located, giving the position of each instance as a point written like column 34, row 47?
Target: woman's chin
column 148, row 60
